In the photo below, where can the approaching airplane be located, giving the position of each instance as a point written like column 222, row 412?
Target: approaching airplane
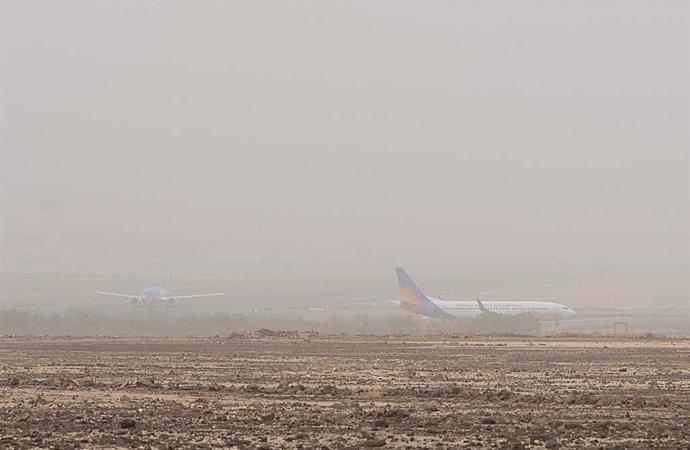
column 414, row 300
column 163, row 294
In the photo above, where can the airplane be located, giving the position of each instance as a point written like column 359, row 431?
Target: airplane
column 161, row 294
column 416, row 301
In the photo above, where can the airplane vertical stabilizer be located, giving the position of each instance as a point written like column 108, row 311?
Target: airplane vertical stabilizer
column 416, row 301
column 168, row 281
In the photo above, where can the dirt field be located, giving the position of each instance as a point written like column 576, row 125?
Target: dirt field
column 307, row 391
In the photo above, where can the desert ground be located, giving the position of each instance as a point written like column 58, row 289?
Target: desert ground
column 304, row 390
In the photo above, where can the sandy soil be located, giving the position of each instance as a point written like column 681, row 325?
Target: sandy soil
column 275, row 390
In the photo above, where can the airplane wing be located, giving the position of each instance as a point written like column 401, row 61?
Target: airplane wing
column 179, row 297
column 486, row 312
column 113, row 294
column 481, row 306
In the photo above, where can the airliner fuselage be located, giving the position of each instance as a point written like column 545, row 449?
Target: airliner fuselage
column 537, row 309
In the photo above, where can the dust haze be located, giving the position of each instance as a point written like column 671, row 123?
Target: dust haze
column 290, row 154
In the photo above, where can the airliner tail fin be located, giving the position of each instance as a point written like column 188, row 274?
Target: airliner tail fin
column 409, row 291
column 168, row 280
column 414, row 300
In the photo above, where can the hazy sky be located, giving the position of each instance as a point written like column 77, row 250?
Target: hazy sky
column 457, row 131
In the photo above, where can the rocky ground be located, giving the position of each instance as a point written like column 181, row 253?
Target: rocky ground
column 289, row 390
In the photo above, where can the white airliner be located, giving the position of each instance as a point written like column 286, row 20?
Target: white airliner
column 160, row 295
column 414, row 300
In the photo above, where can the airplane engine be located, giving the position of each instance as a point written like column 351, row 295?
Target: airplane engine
column 135, row 301
column 171, row 301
